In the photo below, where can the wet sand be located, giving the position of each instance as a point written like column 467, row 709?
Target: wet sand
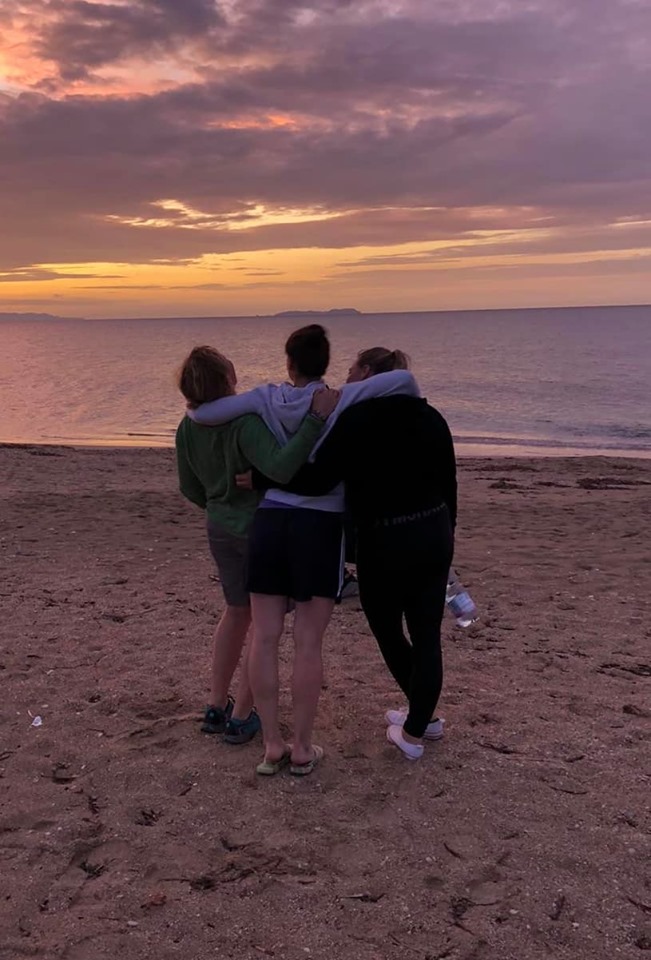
column 125, row 833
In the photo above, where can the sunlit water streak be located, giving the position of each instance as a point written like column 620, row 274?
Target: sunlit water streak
column 540, row 382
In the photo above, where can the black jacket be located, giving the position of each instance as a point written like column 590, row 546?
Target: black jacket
column 395, row 455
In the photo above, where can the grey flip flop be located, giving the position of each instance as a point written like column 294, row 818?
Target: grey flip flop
column 305, row 769
column 270, row 768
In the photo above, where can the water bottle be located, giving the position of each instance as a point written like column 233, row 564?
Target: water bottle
column 460, row 603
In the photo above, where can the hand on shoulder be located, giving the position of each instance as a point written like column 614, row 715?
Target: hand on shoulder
column 324, row 402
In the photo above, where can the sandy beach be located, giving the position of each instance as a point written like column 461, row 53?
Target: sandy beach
column 125, row 833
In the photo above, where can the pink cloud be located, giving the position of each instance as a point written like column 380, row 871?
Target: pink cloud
column 401, row 119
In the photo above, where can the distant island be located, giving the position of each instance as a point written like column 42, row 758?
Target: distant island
column 33, row 316
column 339, row 312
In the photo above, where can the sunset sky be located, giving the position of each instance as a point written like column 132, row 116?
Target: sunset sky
column 191, row 157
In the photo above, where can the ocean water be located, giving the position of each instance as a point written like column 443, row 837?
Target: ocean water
column 547, row 382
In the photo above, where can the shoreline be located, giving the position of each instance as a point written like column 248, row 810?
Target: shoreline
column 469, row 451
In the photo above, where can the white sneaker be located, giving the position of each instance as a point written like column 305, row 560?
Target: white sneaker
column 434, row 730
column 412, row 751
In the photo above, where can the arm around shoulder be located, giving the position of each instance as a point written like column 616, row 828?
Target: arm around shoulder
column 263, row 452
column 330, row 462
column 381, row 385
column 228, row 408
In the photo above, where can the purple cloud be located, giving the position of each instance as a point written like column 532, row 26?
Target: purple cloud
column 402, row 120
column 84, row 35
column 36, row 274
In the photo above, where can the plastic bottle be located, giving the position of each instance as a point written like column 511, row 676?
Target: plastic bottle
column 460, row 603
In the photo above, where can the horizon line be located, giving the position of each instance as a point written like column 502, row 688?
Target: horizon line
column 334, row 313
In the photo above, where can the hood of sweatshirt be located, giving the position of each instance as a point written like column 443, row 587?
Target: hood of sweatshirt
column 290, row 404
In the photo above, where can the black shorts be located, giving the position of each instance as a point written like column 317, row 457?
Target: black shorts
column 296, row 552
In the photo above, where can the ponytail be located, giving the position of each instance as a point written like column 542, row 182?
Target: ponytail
column 381, row 360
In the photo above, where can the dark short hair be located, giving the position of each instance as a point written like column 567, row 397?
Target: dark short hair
column 309, row 350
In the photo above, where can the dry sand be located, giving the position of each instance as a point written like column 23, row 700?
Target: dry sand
column 127, row 834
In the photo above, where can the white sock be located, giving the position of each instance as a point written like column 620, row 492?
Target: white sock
column 413, row 751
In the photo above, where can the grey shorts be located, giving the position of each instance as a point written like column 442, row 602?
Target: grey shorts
column 230, row 554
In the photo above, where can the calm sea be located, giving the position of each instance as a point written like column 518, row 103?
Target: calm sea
column 546, row 382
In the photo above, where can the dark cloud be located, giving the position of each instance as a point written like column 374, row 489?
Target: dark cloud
column 411, row 121
column 607, row 241
column 33, row 274
column 122, row 286
column 516, row 271
column 83, row 36
column 125, row 288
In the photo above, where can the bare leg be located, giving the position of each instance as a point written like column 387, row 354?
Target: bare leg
column 244, row 696
column 310, row 622
column 268, row 620
column 227, row 650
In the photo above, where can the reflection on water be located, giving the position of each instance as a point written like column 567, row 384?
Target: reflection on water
column 542, row 381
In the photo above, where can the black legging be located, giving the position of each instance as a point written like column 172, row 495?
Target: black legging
column 403, row 571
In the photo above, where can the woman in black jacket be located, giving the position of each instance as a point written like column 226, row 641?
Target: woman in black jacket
column 396, row 457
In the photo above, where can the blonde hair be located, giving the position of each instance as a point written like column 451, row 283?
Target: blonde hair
column 381, row 360
column 206, row 375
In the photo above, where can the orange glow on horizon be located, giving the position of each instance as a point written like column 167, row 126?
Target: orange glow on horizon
column 266, row 280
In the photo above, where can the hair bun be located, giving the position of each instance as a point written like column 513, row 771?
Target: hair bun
column 315, row 331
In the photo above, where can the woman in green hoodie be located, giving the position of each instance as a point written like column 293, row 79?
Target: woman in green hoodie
column 208, row 460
